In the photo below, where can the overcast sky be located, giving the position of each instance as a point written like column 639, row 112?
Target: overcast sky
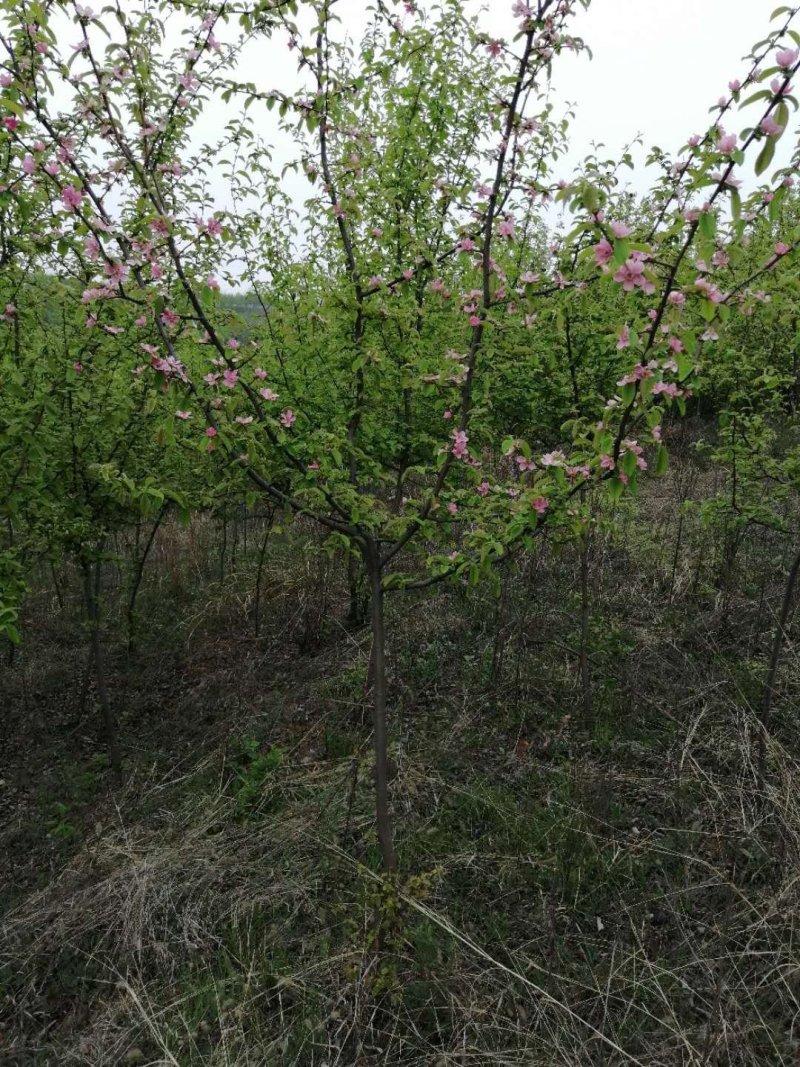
column 657, row 67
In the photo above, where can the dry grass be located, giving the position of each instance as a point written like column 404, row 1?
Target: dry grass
column 621, row 892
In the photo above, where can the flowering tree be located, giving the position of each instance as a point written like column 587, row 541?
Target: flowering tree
column 432, row 378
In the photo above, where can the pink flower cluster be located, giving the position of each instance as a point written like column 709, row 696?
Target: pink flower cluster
column 459, row 449
column 631, row 274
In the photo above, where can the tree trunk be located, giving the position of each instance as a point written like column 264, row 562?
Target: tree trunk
column 777, row 645
column 382, row 812
column 586, row 675
column 356, row 615
column 138, row 574
column 224, row 546
column 261, row 555
column 91, row 587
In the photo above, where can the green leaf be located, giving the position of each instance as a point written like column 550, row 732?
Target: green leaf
column 628, row 463
column 766, row 155
column 615, row 489
column 708, row 225
column 662, row 461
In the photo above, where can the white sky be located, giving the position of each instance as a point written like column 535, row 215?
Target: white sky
column 658, row 65
column 657, row 68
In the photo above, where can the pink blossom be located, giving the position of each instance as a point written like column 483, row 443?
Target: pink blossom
column 267, row 394
column 631, row 274
column 667, row 389
column 474, row 320
column 603, row 251
column 506, row 228
column 211, row 378
column 10, row 312
column 232, row 343
column 770, row 127
column 525, row 464
column 89, row 295
column 466, row 245
column 52, row 168
column 540, row 505
column 170, row 318
column 115, row 272
column 606, row 463
column 734, row 85
column 77, row 367
column 230, row 378
column 620, row 230
column 676, row 298
column 787, row 57
column 694, row 140
column 459, row 448
column 624, row 338
column 259, row 373
column 782, row 249
column 71, row 197
column 10, row 123
column 377, row 231
column 287, row 418
column 214, row 227
column 675, row 344
column 243, row 420
column 211, row 432
column 482, row 489
column 448, row 414
column 183, row 415
column 711, row 290
column 573, row 472
column 553, row 459
column 6, row 81
column 726, row 143
column 452, row 507
column 780, row 86
column 28, row 164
